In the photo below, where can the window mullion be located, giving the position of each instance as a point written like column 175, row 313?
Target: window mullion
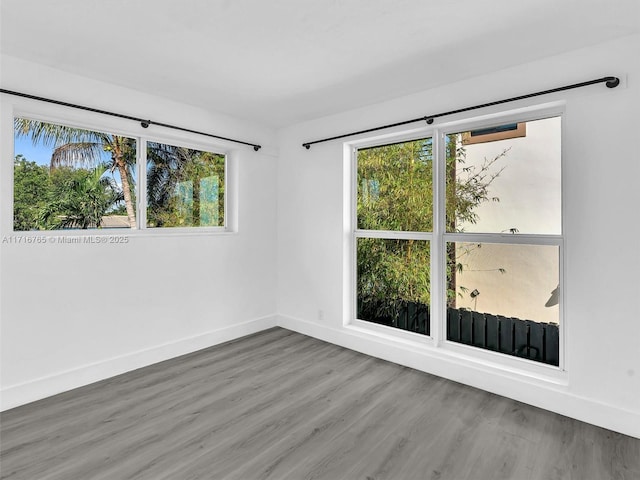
column 438, row 273
column 141, row 168
column 353, row 224
column 518, row 239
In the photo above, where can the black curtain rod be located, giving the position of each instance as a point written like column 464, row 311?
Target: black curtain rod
column 143, row 122
column 611, row 82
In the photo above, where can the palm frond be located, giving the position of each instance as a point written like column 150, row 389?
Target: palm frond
column 54, row 135
column 81, row 154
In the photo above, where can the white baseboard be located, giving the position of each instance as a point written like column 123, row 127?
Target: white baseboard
column 16, row 395
column 549, row 395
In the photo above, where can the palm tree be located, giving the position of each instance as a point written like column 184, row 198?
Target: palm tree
column 164, row 169
column 76, row 147
column 81, row 199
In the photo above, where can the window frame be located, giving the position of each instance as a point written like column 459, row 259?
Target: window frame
column 30, row 109
column 439, row 237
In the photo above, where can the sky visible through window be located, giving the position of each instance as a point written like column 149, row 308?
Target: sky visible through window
column 41, row 154
column 34, row 153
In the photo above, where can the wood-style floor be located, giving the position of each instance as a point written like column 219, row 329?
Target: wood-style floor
column 280, row 405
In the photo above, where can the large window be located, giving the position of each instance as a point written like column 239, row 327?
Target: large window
column 464, row 233
column 69, row 178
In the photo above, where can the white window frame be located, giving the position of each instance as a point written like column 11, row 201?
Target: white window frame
column 437, row 340
column 11, row 108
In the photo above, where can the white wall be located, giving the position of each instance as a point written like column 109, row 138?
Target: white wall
column 529, row 184
column 601, row 384
column 73, row 314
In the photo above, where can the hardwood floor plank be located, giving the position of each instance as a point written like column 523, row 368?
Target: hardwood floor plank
column 280, row 405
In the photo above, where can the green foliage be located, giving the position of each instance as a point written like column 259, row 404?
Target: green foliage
column 79, row 198
column 31, row 186
column 395, row 193
column 395, row 187
column 392, row 269
column 185, row 187
column 118, row 210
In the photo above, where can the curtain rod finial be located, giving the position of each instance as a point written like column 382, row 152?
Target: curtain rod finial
column 257, row 147
column 306, row 145
column 612, row 82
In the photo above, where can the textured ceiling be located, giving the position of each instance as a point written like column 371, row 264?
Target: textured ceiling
column 282, row 61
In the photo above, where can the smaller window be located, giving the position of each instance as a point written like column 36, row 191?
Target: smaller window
column 70, row 178
column 185, row 187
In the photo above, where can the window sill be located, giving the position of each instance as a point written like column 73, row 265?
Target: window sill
column 46, row 236
column 463, row 355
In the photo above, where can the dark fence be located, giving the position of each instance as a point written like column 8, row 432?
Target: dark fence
column 520, row 338
column 411, row 316
column 512, row 336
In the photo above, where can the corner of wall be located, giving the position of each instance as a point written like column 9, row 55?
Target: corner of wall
column 27, row 392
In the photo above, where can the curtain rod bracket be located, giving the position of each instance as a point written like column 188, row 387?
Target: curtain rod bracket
column 145, row 123
column 429, row 120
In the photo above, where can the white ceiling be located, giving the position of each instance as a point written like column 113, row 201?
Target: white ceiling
column 282, row 61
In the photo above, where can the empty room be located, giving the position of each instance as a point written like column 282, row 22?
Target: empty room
column 330, row 239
